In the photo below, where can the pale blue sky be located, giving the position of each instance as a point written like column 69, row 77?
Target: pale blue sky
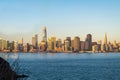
column 62, row 17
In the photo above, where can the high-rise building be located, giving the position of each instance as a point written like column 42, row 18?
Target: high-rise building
column 82, row 45
column 88, row 42
column 51, row 44
column 0, row 44
column 67, row 45
column 99, row 45
column 5, row 44
column 87, row 46
column 44, row 39
column 35, row 41
column 43, row 44
column 21, row 41
column 95, row 48
column 20, row 45
column 72, row 45
column 68, row 39
column 105, row 39
column 59, row 43
column 26, row 47
column 76, row 44
column 11, row 46
column 15, row 46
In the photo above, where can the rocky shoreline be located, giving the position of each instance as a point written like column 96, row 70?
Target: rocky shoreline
column 6, row 73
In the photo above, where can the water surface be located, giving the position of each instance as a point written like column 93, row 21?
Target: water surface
column 62, row 66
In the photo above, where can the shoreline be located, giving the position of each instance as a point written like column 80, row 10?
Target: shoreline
column 81, row 52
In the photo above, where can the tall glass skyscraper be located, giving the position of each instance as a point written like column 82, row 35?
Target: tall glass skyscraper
column 35, row 41
column 88, row 42
column 44, row 38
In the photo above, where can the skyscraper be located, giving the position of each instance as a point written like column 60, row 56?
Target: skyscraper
column 5, row 44
column 69, row 41
column 21, row 41
column 105, row 39
column 35, row 41
column 0, row 44
column 59, row 43
column 43, row 44
column 20, row 45
column 66, row 49
column 88, row 42
column 44, row 39
column 51, row 44
column 76, row 44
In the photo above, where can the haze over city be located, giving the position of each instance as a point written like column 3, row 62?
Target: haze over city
column 61, row 17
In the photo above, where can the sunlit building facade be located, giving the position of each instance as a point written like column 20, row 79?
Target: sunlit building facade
column 76, row 44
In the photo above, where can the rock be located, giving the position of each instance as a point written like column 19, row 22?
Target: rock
column 6, row 73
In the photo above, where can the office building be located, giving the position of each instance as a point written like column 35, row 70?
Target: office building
column 76, row 44
column 51, row 44
column 105, row 39
column 67, row 46
column 0, row 44
column 35, row 41
column 88, row 42
column 5, row 44
column 59, row 43
column 44, row 38
column 82, row 45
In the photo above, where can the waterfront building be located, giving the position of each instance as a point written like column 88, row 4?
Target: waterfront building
column 110, row 47
column 105, row 39
column 82, row 45
column 103, row 48
column 20, row 41
column 87, row 46
column 115, row 46
column 11, row 44
column 51, row 44
column 72, row 45
column 43, row 46
column 95, row 48
column 88, row 42
column 5, row 44
column 0, row 44
column 59, row 43
column 99, row 43
column 35, row 41
column 20, row 45
column 67, row 45
column 69, row 41
column 76, row 44
column 44, row 37
column 26, row 48
column 49, row 47
column 16, row 46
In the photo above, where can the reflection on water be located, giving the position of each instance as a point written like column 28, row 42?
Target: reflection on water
column 72, row 66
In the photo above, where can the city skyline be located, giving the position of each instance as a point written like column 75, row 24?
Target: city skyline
column 62, row 17
column 43, row 35
column 57, row 45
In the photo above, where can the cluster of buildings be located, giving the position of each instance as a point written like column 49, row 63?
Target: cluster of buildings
column 57, row 45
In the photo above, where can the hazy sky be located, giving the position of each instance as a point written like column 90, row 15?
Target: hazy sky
column 62, row 17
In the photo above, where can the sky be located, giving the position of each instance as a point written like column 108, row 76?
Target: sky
column 25, row 18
